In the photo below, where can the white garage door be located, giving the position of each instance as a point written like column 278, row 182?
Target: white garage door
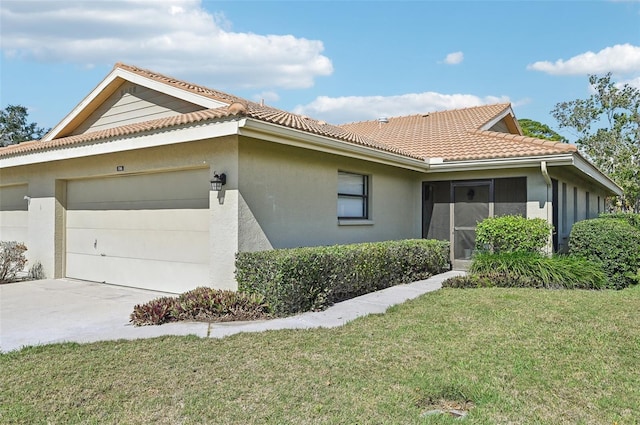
column 146, row 231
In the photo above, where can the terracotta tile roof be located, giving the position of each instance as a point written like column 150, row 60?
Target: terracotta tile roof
column 456, row 135
column 234, row 110
column 116, row 132
column 184, row 85
column 451, row 135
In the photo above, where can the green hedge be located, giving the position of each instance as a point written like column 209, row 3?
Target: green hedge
column 305, row 279
column 631, row 218
column 511, row 233
column 532, row 270
column 613, row 243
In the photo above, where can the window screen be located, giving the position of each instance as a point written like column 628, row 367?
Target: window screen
column 510, row 196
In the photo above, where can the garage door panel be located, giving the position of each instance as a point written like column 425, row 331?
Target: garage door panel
column 181, row 189
column 147, row 231
column 146, row 274
column 182, row 246
column 168, row 220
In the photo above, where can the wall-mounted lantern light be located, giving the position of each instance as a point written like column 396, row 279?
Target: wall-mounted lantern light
column 218, row 181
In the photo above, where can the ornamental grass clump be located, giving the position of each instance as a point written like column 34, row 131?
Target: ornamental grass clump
column 527, row 269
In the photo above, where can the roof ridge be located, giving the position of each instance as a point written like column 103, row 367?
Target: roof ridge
column 504, row 105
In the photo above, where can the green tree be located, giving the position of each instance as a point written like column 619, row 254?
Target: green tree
column 14, row 127
column 607, row 127
column 539, row 130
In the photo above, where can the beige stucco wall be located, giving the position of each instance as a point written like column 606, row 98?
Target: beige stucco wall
column 289, row 199
column 47, row 187
column 276, row 196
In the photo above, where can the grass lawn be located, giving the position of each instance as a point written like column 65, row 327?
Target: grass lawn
column 517, row 356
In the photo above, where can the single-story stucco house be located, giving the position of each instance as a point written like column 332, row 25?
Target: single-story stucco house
column 121, row 191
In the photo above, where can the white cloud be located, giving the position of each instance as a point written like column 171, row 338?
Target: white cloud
column 454, row 58
column 634, row 82
column 621, row 58
column 267, row 96
column 339, row 110
column 177, row 37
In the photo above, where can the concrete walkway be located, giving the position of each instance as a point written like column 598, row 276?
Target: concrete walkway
column 51, row 311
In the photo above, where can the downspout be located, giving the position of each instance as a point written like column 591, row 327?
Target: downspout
column 547, row 179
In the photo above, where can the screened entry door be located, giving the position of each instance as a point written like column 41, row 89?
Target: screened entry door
column 471, row 204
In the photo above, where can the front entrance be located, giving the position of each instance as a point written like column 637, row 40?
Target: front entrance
column 471, row 204
column 452, row 210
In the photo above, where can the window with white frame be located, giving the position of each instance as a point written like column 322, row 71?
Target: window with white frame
column 353, row 196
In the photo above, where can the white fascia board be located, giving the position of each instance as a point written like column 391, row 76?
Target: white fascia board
column 501, row 163
column 136, row 79
column 170, row 90
column 168, row 136
column 287, row 136
column 598, row 176
column 497, row 119
column 80, row 106
column 568, row 159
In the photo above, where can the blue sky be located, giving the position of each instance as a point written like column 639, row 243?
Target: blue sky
column 340, row 61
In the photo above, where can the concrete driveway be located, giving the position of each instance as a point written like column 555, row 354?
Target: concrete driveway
column 50, row 311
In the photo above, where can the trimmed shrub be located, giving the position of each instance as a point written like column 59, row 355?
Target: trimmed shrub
column 612, row 243
column 631, row 218
column 512, row 233
column 305, row 279
column 531, row 270
column 201, row 304
column 12, row 260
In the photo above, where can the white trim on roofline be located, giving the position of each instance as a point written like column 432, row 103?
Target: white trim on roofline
column 566, row 159
column 494, row 163
column 278, row 134
column 119, row 73
column 592, row 171
column 497, row 118
column 163, row 137
column 298, row 138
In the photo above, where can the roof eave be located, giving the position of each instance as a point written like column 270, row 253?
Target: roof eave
column 556, row 160
column 596, row 175
column 250, row 127
column 493, row 163
column 160, row 137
